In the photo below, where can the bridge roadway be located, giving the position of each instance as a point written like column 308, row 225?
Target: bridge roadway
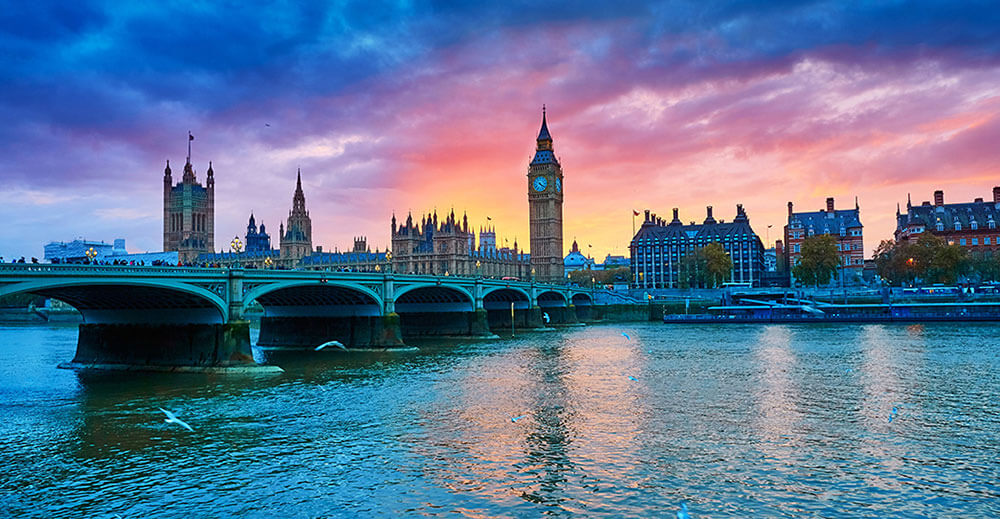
column 179, row 318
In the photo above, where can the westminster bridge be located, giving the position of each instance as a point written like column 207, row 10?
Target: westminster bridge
column 140, row 317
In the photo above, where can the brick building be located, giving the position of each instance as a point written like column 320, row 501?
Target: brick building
column 972, row 225
column 843, row 224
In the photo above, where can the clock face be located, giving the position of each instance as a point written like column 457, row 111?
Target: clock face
column 558, row 185
column 540, row 183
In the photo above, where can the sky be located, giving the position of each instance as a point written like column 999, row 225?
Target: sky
column 417, row 106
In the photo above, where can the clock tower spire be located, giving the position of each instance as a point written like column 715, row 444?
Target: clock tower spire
column 545, row 200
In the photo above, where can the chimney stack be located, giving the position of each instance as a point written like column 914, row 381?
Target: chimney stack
column 789, row 209
column 939, row 198
column 647, row 215
column 996, row 195
column 829, row 204
column 996, row 190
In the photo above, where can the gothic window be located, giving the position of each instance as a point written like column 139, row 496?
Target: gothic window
column 958, row 226
column 940, row 226
column 973, row 225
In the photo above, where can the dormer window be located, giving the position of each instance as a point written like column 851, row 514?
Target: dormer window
column 940, row 226
column 958, row 226
column 843, row 231
column 974, row 225
column 991, row 224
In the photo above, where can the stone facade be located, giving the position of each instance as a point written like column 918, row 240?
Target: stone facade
column 296, row 235
column 449, row 248
column 545, row 201
column 188, row 212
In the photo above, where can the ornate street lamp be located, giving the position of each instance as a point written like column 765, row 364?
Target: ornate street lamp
column 235, row 247
column 388, row 261
column 91, row 254
column 268, row 263
column 478, row 265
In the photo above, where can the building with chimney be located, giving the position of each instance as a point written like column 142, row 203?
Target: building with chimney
column 843, row 224
column 188, row 212
column 659, row 247
column 449, row 247
column 972, row 225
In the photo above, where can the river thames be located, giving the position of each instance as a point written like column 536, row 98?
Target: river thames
column 737, row 421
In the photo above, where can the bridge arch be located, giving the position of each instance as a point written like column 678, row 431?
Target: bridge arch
column 499, row 298
column 111, row 301
column 431, row 297
column 552, row 298
column 582, row 299
column 314, row 298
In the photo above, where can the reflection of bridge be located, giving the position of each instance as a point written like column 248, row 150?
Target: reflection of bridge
column 169, row 317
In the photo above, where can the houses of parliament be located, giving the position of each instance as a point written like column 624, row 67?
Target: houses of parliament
column 430, row 245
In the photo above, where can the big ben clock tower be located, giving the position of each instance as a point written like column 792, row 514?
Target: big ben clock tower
column 545, row 200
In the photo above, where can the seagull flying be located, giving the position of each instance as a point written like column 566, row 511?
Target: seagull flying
column 268, row 125
column 514, row 419
column 630, row 377
column 683, row 512
column 627, row 338
column 172, row 418
column 331, row 343
column 545, row 315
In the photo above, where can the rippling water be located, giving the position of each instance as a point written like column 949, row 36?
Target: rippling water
column 735, row 421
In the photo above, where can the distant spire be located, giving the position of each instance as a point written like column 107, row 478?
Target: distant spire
column 166, row 171
column 298, row 180
column 210, row 170
column 856, row 206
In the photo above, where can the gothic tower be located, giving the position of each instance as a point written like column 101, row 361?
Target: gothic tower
column 188, row 212
column 545, row 201
column 296, row 236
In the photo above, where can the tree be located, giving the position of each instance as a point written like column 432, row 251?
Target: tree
column 718, row 264
column 818, row 260
column 600, row 277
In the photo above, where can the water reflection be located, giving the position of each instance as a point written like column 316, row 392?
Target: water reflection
column 777, row 394
column 737, row 421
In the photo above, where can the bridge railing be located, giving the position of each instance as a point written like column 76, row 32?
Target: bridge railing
column 46, row 268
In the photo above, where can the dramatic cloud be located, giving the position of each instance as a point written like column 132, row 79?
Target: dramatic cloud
column 415, row 106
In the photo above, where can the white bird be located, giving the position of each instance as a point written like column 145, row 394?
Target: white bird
column 514, row 419
column 627, row 338
column 331, row 343
column 545, row 315
column 683, row 512
column 172, row 418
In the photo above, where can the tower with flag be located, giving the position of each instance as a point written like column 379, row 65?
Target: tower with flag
column 188, row 211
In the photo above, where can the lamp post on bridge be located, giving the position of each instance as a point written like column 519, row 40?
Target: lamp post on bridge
column 235, row 247
column 91, row 254
column 388, row 261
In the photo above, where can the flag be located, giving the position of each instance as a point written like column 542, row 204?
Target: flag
column 489, row 219
column 634, row 212
column 190, row 137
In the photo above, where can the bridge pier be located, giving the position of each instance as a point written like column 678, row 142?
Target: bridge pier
column 165, row 347
column 359, row 331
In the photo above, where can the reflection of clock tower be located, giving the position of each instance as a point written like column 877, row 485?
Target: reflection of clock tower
column 545, row 199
